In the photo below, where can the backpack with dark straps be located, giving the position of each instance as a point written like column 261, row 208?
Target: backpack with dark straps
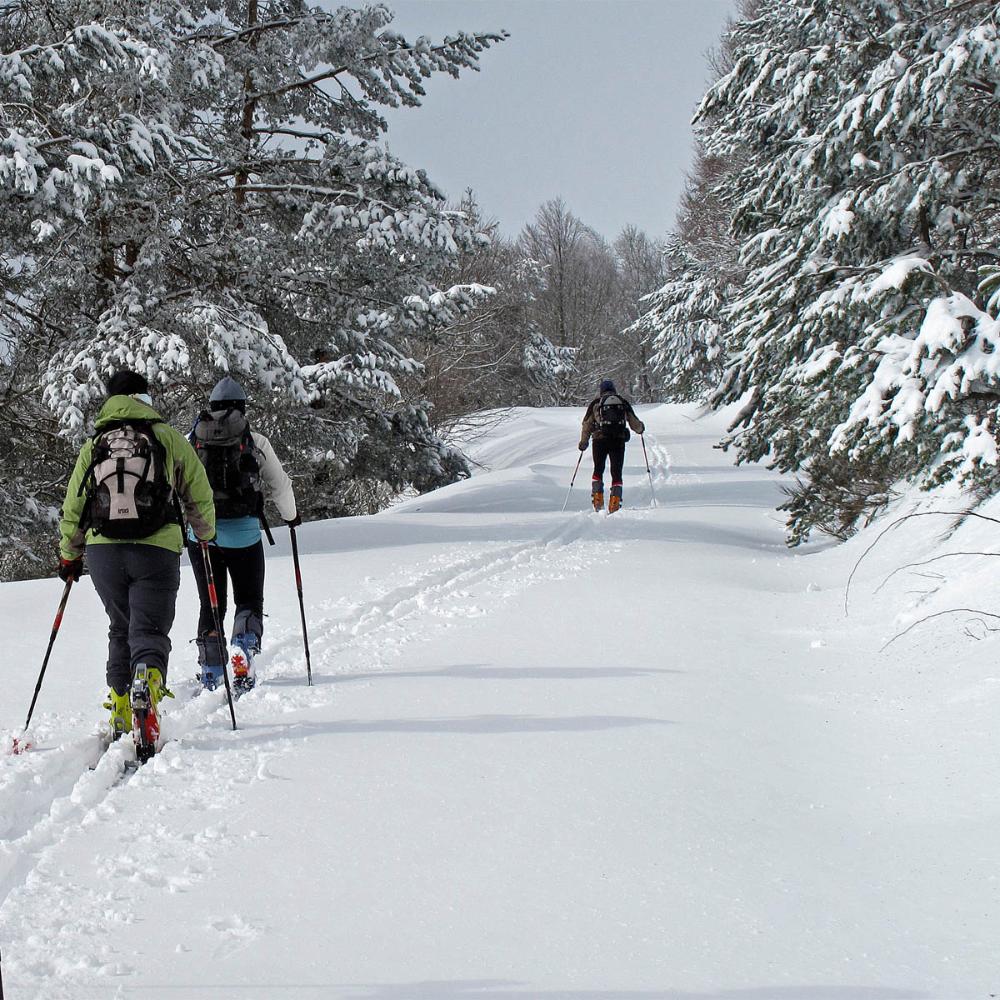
column 128, row 493
column 609, row 415
column 223, row 442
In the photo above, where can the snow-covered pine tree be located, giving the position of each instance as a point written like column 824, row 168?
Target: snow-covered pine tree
column 197, row 187
column 69, row 134
column 683, row 322
column 683, row 328
column 865, row 335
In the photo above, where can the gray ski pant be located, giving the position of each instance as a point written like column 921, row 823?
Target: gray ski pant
column 137, row 584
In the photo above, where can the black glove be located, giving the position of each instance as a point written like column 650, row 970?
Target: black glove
column 70, row 569
column 295, row 521
column 583, row 446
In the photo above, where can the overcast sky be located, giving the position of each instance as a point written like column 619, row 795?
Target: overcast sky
column 588, row 99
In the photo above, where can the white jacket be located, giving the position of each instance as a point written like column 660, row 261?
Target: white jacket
column 277, row 485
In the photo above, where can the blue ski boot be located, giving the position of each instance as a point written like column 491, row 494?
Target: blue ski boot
column 246, row 645
column 211, row 660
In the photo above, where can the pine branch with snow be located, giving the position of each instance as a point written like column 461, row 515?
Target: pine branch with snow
column 864, row 331
column 190, row 189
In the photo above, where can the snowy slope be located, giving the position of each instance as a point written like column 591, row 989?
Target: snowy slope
column 553, row 755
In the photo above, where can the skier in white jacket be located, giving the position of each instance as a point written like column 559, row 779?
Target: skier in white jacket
column 242, row 467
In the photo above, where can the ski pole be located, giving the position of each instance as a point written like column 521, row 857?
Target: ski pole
column 573, row 480
column 302, row 606
column 45, row 662
column 213, row 599
column 652, row 494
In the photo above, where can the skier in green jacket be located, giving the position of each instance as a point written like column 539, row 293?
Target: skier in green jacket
column 123, row 508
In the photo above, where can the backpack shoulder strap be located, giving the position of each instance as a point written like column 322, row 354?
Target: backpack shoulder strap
column 88, row 473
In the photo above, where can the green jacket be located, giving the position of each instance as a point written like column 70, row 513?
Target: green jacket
column 184, row 470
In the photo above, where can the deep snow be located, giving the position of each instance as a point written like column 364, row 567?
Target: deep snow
column 546, row 755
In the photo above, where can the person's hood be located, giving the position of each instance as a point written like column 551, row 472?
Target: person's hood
column 124, row 408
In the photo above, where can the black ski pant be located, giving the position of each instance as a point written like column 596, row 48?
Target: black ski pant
column 245, row 567
column 603, row 450
column 137, row 584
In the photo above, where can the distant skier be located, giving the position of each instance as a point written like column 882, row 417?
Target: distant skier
column 607, row 420
column 241, row 466
column 123, row 507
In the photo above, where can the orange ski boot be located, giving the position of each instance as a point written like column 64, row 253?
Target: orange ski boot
column 597, row 494
column 615, row 500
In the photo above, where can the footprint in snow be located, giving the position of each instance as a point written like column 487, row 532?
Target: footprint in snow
column 234, row 928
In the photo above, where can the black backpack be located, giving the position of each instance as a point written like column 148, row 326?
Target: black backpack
column 128, row 493
column 609, row 414
column 223, row 442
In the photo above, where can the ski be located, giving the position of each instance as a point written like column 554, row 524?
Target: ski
column 145, row 717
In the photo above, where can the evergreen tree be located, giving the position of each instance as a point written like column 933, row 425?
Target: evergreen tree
column 863, row 338
column 191, row 188
column 684, row 324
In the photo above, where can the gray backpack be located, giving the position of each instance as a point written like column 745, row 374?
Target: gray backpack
column 223, row 442
column 128, row 493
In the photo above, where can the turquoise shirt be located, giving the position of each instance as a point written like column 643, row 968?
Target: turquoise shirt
column 234, row 532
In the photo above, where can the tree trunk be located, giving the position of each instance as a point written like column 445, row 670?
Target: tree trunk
column 249, row 111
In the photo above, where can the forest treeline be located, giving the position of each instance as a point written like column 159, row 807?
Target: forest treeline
column 189, row 187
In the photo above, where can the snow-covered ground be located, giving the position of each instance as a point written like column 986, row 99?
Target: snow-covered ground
column 547, row 755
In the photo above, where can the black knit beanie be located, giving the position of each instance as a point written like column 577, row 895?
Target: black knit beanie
column 127, row 383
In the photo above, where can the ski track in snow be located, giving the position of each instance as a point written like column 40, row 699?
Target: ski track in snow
column 59, row 799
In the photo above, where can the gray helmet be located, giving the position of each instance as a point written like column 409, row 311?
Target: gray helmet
column 227, row 392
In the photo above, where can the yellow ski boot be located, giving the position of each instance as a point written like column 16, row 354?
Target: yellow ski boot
column 120, row 706
column 157, row 689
